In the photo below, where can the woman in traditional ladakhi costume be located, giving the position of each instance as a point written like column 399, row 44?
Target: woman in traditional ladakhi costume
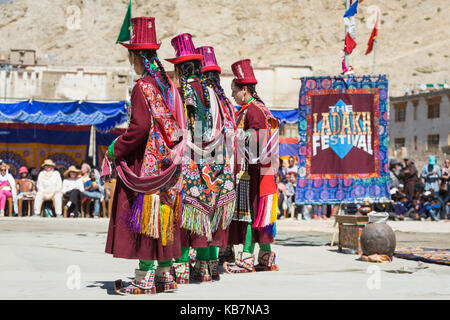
column 147, row 200
column 257, row 197
column 208, row 194
column 212, row 72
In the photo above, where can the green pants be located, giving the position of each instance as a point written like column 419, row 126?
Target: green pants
column 149, row 265
column 203, row 254
column 249, row 247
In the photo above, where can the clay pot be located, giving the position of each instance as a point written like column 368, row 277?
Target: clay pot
column 378, row 238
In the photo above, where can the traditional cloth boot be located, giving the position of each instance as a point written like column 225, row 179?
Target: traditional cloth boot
column 192, row 256
column 266, row 261
column 214, row 269
column 144, row 279
column 245, row 262
column 226, row 255
column 180, row 271
column 164, row 280
column 144, row 283
column 2, row 213
column 200, row 272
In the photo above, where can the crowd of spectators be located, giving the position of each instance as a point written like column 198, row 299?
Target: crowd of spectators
column 415, row 195
column 419, row 195
column 52, row 190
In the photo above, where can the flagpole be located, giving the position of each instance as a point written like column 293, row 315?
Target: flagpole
column 374, row 56
column 346, row 56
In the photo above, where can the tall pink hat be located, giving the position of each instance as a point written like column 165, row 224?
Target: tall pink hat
column 143, row 34
column 184, row 49
column 209, row 62
column 243, row 72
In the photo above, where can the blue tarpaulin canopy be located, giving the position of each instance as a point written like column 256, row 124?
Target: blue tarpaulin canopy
column 288, row 115
column 104, row 116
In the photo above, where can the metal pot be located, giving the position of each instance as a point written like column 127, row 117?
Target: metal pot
column 378, row 238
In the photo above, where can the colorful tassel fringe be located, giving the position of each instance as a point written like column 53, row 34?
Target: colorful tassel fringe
column 151, row 218
column 267, row 211
column 196, row 221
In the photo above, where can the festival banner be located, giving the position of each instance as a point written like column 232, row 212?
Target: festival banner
column 343, row 128
column 30, row 144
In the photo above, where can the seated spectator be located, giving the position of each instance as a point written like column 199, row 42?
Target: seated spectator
column 416, row 210
column 93, row 189
column 401, row 208
column 72, row 189
column 7, row 187
column 85, row 170
column 432, row 207
column 290, row 189
column 26, row 188
column 49, row 186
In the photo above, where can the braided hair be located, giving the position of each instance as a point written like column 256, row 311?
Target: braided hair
column 213, row 80
column 150, row 56
column 251, row 88
column 190, row 68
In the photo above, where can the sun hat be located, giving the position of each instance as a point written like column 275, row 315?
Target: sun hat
column 71, row 169
column 48, row 162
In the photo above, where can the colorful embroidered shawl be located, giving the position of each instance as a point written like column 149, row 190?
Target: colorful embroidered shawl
column 209, row 193
column 157, row 206
column 268, row 196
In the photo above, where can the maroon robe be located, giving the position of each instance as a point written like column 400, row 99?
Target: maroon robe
column 122, row 242
column 254, row 119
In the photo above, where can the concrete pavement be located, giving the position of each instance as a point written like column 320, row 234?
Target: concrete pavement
column 45, row 258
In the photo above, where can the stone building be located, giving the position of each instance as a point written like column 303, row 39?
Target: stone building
column 420, row 126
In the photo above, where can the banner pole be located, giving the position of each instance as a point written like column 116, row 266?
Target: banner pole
column 374, row 56
column 346, row 55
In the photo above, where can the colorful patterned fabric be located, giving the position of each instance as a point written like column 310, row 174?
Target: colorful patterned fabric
column 268, row 196
column 29, row 145
column 155, row 214
column 181, row 272
column 104, row 116
column 209, row 192
column 438, row 256
column 343, row 129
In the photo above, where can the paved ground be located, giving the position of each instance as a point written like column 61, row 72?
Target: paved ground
column 43, row 258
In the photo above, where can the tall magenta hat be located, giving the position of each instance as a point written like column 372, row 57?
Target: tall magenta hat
column 209, row 62
column 243, row 72
column 184, row 49
column 143, row 34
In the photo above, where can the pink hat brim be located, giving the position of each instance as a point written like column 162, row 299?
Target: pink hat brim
column 212, row 68
column 187, row 57
column 246, row 81
column 141, row 46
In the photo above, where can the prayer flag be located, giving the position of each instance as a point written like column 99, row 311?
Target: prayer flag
column 125, row 31
column 350, row 44
column 352, row 10
column 372, row 38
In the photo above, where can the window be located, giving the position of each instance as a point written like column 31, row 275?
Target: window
column 400, row 113
column 399, row 143
column 415, row 143
column 433, row 111
column 432, row 141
